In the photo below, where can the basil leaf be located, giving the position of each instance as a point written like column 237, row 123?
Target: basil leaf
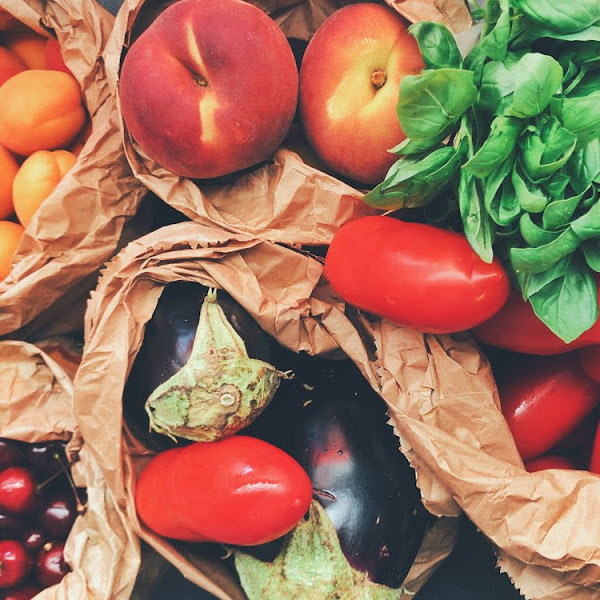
column 536, row 31
column 539, row 258
column 531, row 197
column 415, row 180
column 500, row 144
column 493, row 186
column 557, row 185
column 531, row 283
column 437, row 44
column 581, row 116
column 591, row 253
column 561, row 16
column 538, row 78
column 533, row 234
column 587, row 226
column 497, row 82
column 559, row 212
column 408, row 146
column 430, row 103
column 568, row 305
column 494, row 44
column 584, row 166
column 476, row 222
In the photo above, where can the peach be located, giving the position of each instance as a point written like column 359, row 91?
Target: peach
column 349, row 84
column 209, row 88
column 10, row 238
column 8, row 171
column 40, row 110
column 10, row 64
column 29, row 46
column 36, row 180
column 53, row 58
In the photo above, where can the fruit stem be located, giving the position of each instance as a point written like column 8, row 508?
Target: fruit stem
column 378, row 78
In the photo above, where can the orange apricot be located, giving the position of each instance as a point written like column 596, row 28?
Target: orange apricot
column 40, row 110
column 10, row 64
column 10, row 237
column 8, row 171
column 29, row 46
column 36, row 180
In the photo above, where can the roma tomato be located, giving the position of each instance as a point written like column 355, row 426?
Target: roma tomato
column 545, row 400
column 549, row 461
column 589, row 357
column 517, row 328
column 419, row 276
column 239, row 490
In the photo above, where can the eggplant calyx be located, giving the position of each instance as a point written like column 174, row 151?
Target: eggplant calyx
column 219, row 390
column 310, row 566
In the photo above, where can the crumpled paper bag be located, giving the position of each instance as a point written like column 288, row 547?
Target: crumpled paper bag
column 79, row 226
column 36, row 406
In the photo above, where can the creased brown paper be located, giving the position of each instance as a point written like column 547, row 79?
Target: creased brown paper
column 286, row 200
column 433, row 380
column 79, row 226
column 37, row 406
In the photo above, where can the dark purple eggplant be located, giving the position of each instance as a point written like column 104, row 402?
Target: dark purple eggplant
column 167, row 345
column 332, row 422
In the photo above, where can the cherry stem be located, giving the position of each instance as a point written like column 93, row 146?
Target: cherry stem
column 66, row 469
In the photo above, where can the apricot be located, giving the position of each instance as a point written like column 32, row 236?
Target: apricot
column 8, row 171
column 10, row 64
column 40, row 110
column 10, row 237
column 36, row 180
column 29, row 46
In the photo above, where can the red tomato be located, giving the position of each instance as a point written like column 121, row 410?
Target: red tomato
column 239, row 490
column 549, row 461
column 589, row 357
column 517, row 328
column 545, row 400
column 595, row 459
column 419, row 276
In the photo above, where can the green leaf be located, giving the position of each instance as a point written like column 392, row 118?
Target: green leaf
column 530, row 196
column 559, row 212
column 437, row 44
column 494, row 189
column 584, row 166
column 581, row 116
column 494, row 44
column 476, row 222
column 497, row 82
column 568, row 305
column 540, row 258
column 589, row 34
column 587, row 226
column 500, row 144
column 415, row 180
column 310, row 566
column 591, row 253
column 430, row 103
column 531, row 283
column 561, row 16
column 556, row 185
column 533, row 234
column 408, row 146
column 538, row 78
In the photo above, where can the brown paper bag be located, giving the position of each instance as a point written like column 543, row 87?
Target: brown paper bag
column 433, row 380
column 79, row 226
column 285, row 200
column 37, row 406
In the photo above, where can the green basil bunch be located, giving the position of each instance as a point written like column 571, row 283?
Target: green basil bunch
column 514, row 128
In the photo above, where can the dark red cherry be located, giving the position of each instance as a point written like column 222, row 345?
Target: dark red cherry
column 11, row 453
column 25, row 591
column 18, row 491
column 12, row 526
column 15, row 563
column 34, row 540
column 46, row 459
column 50, row 566
column 58, row 513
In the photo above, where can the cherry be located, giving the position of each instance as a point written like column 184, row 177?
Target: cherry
column 50, row 566
column 18, row 491
column 58, row 513
column 46, row 459
column 11, row 454
column 26, row 591
column 34, row 540
column 11, row 526
column 15, row 563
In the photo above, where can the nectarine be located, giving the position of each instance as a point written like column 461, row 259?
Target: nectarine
column 29, row 46
column 8, row 171
column 10, row 64
column 36, row 180
column 53, row 57
column 349, row 84
column 10, row 237
column 40, row 110
column 209, row 88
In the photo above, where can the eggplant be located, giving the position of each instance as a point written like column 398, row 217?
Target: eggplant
column 167, row 346
column 335, row 425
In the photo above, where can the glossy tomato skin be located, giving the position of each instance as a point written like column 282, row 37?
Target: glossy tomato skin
column 549, row 461
column 517, row 328
column 589, row 357
column 239, row 490
column 545, row 400
column 419, row 276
